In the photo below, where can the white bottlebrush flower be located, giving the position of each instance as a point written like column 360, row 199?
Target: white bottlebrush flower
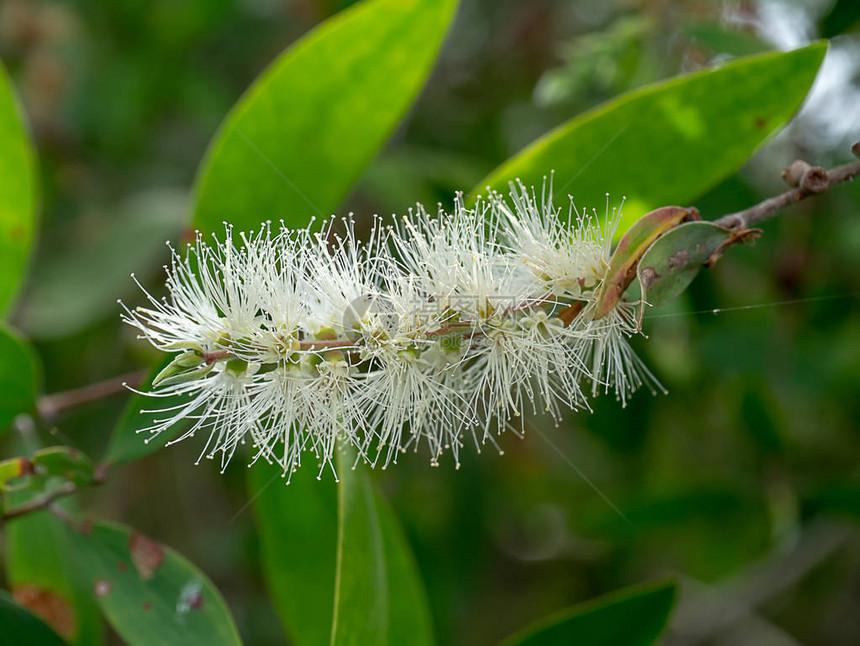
column 566, row 254
column 218, row 403
column 307, row 407
column 293, row 341
column 610, row 361
column 408, row 385
column 569, row 255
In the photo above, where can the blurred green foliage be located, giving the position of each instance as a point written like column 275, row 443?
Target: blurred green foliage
column 636, row 617
column 756, row 443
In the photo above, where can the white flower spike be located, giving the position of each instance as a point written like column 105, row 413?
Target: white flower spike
column 436, row 329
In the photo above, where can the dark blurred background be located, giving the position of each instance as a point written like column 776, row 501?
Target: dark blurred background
column 742, row 481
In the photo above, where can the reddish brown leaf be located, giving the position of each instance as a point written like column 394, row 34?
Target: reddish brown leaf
column 637, row 240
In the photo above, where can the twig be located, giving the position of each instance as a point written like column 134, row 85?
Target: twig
column 808, row 180
column 42, row 502
column 46, row 501
column 50, row 406
column 705, row 612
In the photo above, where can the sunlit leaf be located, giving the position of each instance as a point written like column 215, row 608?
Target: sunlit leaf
column 299, row 138
column 669, row 142
column 12, row 470
column 18, row 195
column 634, row 617
column 298, row 535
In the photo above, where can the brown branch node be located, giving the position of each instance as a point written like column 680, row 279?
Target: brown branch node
column 805, row 179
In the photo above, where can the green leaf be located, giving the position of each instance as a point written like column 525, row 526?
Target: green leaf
column 409, row 618
column 64, row 462
column 378, row 595
column 57, row 464
column 298, row 535
column 631, row 247
column 20, row 626
column 18, row 197
column 672, row 262
column 17, row 378
column 300, row 137
column 126, row 443
column 45, row 574
column 13, row 469
column 634, row 616
column 101, row 254
column 149, row 593
column 670, row 142
column 360, row 594
column 327, row 544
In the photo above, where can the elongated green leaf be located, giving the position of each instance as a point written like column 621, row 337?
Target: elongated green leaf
column 328, row 545
column 359, row 617
column 18, row 195
column 298, row 534
column 299, row 138
column 19, row 626
column 151, row 594
column 17, row 378
column 409, row 618
column 44, row 572
column 669, row 142
column 634, row 617
column 126, row 443
column 672, row 262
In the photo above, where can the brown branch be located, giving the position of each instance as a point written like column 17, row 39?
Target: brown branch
column 808, row 181
column 42, row 502
column 46, row 501
column 52, row 405
column 215, row 355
